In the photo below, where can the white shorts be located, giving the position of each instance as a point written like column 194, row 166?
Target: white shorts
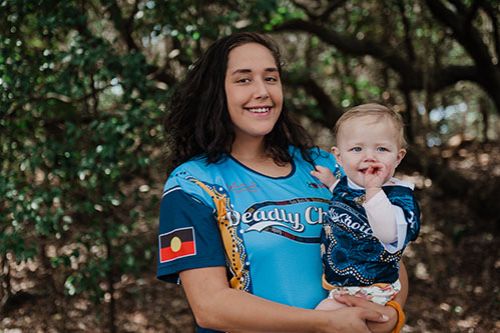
column 379, row 293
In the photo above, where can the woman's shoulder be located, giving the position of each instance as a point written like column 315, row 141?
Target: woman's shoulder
column 195, row 165
column 194, row 177
column 199, row 168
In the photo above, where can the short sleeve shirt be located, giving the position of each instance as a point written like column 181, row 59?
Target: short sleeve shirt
column 265, row 230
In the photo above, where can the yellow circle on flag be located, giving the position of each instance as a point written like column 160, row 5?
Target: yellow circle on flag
column 175, row 244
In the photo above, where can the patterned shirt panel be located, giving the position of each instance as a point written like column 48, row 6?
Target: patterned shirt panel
column 352, row 256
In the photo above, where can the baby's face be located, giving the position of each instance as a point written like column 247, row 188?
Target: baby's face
column 363, row 141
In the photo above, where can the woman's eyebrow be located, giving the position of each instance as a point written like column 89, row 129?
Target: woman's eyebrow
column 247, row 70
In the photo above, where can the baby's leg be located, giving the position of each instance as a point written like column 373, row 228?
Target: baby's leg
column 329, row 304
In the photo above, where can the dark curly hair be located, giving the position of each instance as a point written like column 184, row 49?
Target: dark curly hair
column 198, row 121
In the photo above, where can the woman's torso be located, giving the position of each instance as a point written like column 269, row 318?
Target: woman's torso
column 273, row 223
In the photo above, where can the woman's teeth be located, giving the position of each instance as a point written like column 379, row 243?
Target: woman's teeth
column 259, row 110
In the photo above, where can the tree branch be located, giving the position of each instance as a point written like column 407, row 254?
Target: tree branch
column 332, row 6
column 406, row 25
column 493, row 15
column 411, row 77
column 471, row 13
column 459, row 5
column 330, row 111
column 471, row 40
column 349, row 44
column 123, row 27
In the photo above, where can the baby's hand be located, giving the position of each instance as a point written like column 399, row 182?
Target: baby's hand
column 325, row 175
column 376, row 175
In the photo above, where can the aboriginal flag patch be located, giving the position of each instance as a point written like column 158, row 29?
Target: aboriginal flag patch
column 177, row 244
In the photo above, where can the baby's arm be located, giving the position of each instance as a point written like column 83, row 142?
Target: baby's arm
column 325, row 175
column 394, row 219
column 382, row 217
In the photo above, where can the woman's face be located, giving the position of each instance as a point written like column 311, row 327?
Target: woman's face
column 253, row 90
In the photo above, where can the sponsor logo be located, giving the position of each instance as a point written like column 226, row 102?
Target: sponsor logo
column 241, row 187
column 261, row 216
column 342, row 215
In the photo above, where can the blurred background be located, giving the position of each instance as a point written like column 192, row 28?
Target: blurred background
column 84, row 87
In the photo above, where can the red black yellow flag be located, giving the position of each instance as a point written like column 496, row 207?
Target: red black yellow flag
column 177, row 244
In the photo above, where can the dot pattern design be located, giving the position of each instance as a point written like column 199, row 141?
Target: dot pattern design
column 352, row 256
column 233, row 244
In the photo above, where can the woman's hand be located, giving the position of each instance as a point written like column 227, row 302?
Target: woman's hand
column 374, row 326
column 353, row 319
column 348, row 319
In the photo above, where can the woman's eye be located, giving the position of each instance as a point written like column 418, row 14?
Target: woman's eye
column 272, row 79
column 243, row 80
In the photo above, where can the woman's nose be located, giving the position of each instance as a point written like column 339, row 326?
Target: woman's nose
column 261, row 91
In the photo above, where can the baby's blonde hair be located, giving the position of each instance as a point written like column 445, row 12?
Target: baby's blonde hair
column 373, row 109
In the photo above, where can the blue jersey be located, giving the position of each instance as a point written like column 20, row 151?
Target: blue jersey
column 265, row 230
column 352, row 256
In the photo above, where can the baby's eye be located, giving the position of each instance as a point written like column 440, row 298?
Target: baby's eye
column 356, row 149
column 382, row 149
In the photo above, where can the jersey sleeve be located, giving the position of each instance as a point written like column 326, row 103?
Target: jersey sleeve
column 403, row 197
column 188, row 235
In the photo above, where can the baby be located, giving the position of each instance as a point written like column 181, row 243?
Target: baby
column 372, row 215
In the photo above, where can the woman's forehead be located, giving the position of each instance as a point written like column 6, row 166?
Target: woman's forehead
column 250, row 56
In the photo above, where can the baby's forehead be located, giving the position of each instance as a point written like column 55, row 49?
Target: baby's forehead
column 366, row 121
column 361, row 126
column 369, row 117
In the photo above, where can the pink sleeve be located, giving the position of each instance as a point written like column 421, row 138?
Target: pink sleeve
column 382, row 218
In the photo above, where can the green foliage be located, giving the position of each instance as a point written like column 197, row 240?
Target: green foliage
column 80, row 120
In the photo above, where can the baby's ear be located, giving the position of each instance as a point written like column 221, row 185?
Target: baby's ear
column 401, row 155
column 336, row 152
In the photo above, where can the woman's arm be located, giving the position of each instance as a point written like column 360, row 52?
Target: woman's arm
column 378, row 327
column 215, row 305
column 403, row 279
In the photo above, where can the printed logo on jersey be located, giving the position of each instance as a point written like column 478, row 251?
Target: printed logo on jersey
column 176, row 244
column 347, row 218
column 277, row 217
column 241, row 187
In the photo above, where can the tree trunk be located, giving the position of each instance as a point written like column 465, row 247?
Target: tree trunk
column 110, row 276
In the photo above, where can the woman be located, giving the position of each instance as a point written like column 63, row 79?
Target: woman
column 241, row 215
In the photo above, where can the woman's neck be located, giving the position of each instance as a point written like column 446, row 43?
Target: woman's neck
column 249, row 149
column 253, row 155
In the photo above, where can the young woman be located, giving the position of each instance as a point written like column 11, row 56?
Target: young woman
column 241, row 215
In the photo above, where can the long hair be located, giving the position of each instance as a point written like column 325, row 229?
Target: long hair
column 198, row 121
